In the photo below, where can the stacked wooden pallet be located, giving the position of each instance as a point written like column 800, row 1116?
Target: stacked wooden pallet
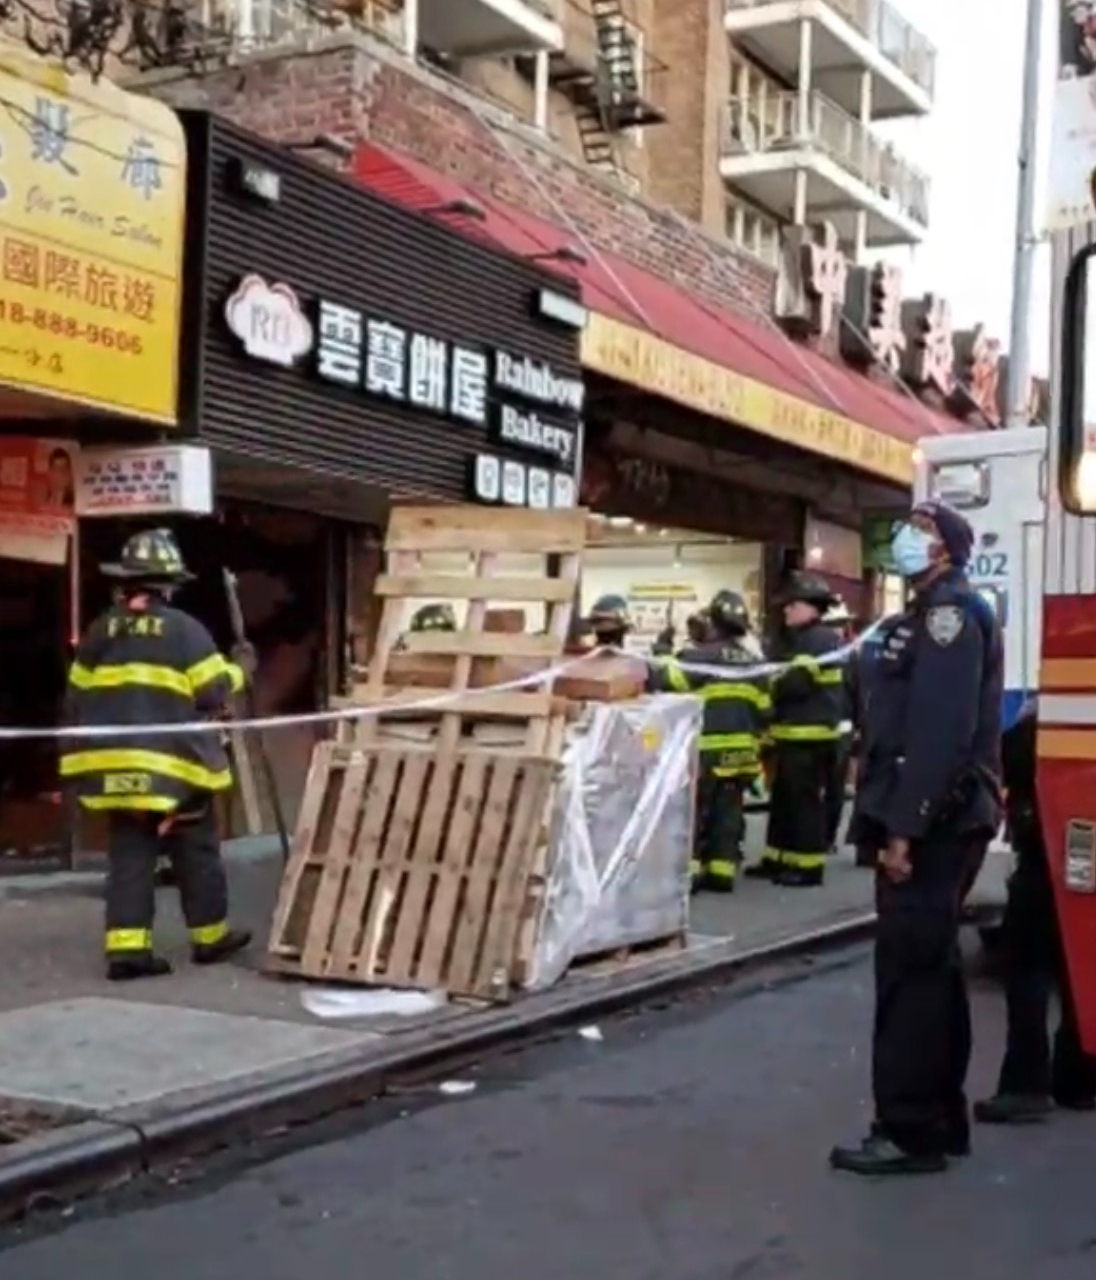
column 422, row 827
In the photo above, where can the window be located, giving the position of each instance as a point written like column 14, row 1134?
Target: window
column 1077, row 419
column 963, row 485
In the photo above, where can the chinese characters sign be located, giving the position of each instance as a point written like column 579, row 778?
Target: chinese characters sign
column 92, row 184
column 157, row 480
column 467, row 385
column 861, row 311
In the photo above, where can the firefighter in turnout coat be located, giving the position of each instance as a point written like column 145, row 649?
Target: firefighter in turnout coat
column 145, row 663
column 736, row 710
column 808, row 706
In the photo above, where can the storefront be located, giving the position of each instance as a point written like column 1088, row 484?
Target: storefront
column 92, row 187
column 724, row 447
column 341, row 354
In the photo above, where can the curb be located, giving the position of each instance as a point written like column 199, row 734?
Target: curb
column 104, row 1150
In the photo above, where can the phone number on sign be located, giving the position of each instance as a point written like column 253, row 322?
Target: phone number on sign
column 98, row 335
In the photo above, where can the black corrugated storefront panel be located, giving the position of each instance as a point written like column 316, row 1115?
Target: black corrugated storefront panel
column 328, row 237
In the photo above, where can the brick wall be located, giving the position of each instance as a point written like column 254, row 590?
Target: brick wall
column 356, row 88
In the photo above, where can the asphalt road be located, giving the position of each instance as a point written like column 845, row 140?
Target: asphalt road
column 689, row 1144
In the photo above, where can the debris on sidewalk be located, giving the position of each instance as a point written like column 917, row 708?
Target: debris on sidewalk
column 372, row 1002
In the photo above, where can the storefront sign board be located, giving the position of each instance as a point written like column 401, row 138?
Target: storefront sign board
column 92, row 197
column 160, row 480
column 36, row 497
column 635, row 356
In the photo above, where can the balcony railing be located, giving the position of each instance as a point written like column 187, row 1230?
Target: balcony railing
column 250, row 25
column 771, row 124
column 895, row 38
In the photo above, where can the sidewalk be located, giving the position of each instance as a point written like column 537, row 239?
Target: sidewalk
column 138, row 1055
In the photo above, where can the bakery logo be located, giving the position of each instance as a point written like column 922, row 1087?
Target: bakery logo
column 269, row 321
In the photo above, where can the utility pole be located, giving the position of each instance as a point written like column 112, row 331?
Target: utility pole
column 1019, row 350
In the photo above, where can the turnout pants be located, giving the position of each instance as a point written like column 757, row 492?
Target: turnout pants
column 797, row 839
column 193, row 846
column 719, row 828
column 1035, row 968
column 922, row 1036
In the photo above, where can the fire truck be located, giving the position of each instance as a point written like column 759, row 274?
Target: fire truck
column 1067, row 676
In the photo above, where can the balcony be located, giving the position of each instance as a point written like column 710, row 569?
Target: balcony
column 846, row 169
column 489, row 28
column 852, row 42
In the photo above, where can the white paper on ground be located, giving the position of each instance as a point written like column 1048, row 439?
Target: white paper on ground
column 369, row 1002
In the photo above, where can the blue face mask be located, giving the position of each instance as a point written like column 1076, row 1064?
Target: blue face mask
column 911, row 550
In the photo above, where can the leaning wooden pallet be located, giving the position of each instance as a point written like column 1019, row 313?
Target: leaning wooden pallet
column 412, row 858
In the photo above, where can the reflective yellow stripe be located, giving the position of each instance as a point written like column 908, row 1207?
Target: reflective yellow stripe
column 725, row 691
column 728, row 742
column 109, row 759
column 722, row 869
column 677, row 680
column 213, row 668
column 829, row 675
column 804, row 861
column 129, row 673
column 129, row 939
column 205, row 935
column 772, row 855
column 695, row 866
column 145, row 804
column 804, row 733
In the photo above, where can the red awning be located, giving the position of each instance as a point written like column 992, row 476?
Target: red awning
column 617, row 288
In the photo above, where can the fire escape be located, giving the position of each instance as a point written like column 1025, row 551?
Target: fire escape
column 605, row 81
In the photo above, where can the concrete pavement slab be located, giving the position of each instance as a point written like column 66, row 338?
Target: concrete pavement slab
column 97, row 1054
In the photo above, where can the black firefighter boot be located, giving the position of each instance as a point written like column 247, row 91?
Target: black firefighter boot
column 127, row 967
column 227, row 945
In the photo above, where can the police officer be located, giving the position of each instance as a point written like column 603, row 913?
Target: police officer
column 736, row 710
column 928, row 799
column 610, row 621
column 807, row 697
column 839, row 619
column 146, row 663
column 1034, row 1077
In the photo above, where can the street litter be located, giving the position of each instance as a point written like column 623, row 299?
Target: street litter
column 372, row 1002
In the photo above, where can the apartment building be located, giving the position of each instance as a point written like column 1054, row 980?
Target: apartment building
column 808, row 80
column 744, row 115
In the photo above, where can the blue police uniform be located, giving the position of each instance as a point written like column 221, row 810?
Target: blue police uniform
column 930, row 764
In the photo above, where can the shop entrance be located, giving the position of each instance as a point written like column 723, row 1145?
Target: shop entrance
column 35, row 620
column 665, row 574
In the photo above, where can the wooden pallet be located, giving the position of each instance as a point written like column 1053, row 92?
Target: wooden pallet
column 631, row 953
column 412, row 876
column 418, row 836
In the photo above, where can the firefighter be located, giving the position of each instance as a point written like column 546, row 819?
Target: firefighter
column 145, row 663
column 610, row 621
column 807, row 698
column 434, row 617
column 736, row 709
column 840, row 620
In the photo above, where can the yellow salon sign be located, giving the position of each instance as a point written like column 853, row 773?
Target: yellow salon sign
column 92, row 186
column 633, row 355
